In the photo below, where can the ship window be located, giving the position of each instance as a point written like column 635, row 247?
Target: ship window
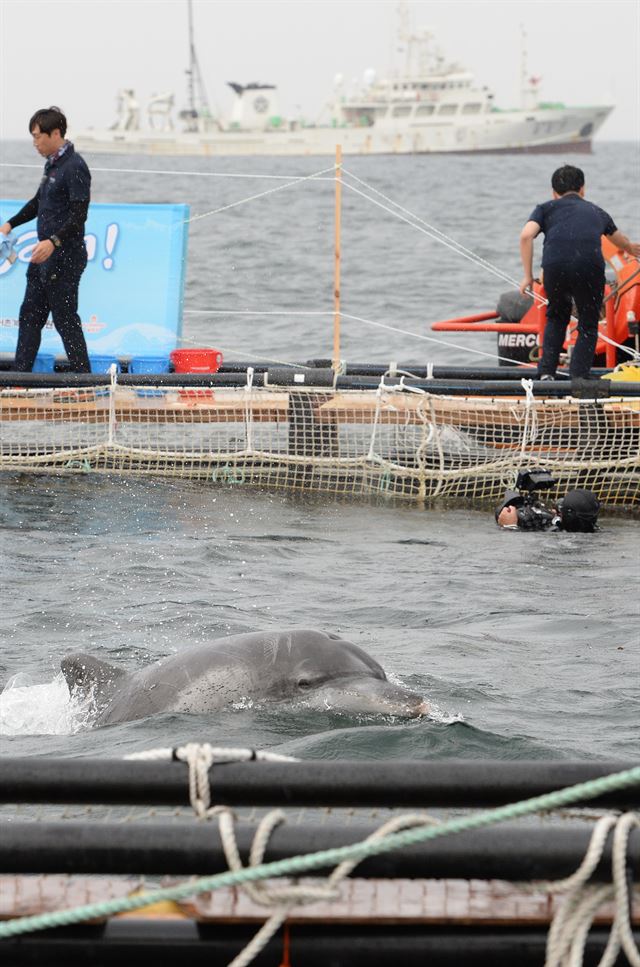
column 474, row 108
column 447, row 109
column 401, row 111
column 424, row 109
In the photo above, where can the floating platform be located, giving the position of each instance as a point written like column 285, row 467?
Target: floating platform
column 363, row 434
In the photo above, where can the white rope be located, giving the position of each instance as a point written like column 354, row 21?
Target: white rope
column 625, row 349
column 166, row 171
column 619, row 863
column 434, row 432
column 439, row 342
column 415, row 221
column 248, row 422
column 284, row 896
column 113, row 373
column 569, row 929
column 260, row 194
column 243, row 353
column 530, row 428
column 376, row 420
column 570, row 926
column 438, row 236
column 432, row 231
column 219, row 755
column 345, row 315
column 259, row 312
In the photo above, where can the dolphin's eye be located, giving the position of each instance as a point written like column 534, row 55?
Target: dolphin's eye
column 304, row 683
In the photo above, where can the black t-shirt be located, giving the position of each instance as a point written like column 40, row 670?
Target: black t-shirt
column 572, row 229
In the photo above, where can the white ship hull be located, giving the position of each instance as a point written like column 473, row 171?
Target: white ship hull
column 536, row 130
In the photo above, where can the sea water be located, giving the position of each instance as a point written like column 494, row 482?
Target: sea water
column 526, row 644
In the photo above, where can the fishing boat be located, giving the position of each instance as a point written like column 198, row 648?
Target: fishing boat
column 428, row 106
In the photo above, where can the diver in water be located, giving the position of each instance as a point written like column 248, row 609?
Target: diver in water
column 521, row 509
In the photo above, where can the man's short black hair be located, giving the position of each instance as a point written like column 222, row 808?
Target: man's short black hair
column 49, row 119
column 567, row 179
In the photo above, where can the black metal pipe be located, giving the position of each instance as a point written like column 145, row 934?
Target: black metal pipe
column 149, row 943
column 437, row 783
column 508, row 852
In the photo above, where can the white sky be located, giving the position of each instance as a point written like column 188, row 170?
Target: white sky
column 77, row 53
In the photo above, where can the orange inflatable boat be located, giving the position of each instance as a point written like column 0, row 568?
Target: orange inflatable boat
column 520, row 334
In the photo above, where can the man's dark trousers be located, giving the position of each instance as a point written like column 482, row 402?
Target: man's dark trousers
column 52, row 287
column 582, row 282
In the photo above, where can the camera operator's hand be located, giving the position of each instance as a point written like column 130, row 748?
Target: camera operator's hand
column 535, row 516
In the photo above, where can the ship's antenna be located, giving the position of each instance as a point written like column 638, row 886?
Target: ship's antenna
column 523, row 68
column 195, row 76
column 404, row 33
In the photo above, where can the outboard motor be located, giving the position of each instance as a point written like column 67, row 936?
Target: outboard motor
column 515, row 347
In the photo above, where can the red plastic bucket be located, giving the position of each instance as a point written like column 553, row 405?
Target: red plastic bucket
column 196, row 360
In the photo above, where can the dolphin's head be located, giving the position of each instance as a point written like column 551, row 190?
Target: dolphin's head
column 327, row 672
column 357, row 695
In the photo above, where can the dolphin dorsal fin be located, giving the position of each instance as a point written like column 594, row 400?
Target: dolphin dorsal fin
column 84, row 671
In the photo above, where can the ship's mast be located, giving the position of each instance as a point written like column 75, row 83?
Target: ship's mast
column 195, row 84
column 523, row 69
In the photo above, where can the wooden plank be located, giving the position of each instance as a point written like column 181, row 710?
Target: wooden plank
column 413, row 408
column 185, row 406
column 428, row 902
column 222, row 406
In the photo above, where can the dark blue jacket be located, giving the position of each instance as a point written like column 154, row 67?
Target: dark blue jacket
column 62, row 200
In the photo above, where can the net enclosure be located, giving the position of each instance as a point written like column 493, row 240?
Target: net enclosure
column 395, row 441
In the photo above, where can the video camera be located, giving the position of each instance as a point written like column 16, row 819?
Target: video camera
column 532, row 513
column 529, row 481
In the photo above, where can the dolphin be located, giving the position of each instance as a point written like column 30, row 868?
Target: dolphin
column 309, row 668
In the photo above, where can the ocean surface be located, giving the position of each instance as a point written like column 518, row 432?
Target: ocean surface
column 527, row 645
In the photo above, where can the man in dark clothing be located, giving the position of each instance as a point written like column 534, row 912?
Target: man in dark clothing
column 573, row 268
column 59, row 259
column 576, row 511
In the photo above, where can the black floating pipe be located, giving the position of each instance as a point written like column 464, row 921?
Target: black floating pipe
column 508, row 852
column 437, row 783
column 302, row 377
column 149, row 943
column 437, row 371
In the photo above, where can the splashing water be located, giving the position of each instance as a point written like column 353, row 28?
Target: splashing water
column 28, row 708
column 436, row 714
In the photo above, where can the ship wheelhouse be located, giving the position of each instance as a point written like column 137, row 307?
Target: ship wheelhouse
column 416, row 99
